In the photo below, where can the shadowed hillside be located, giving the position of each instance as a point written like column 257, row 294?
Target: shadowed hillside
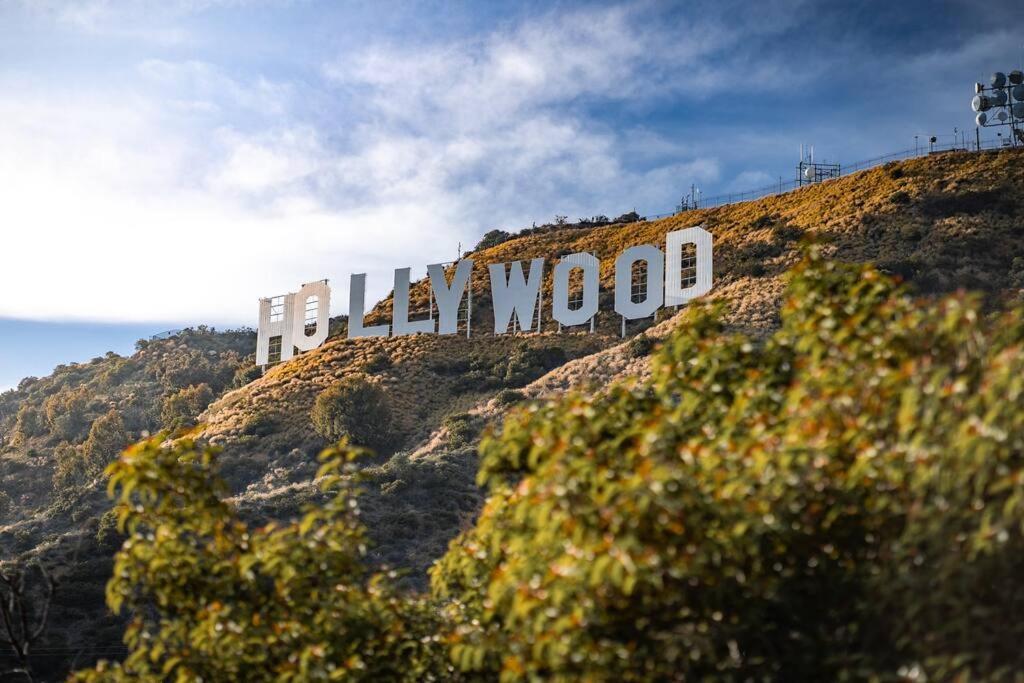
column 945, row 222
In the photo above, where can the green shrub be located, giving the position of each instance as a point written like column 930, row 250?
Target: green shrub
column 377, row 362
column 354, row 408
column 186, row 366
column 108, row 536
column 841, row 501
column 492, row 238
column 260, row 424
column 461, row 429
column 246, row 373
column 107, row 438
column 527, row 363
column 117, row 371
column 29, row 422
column 783, row 232
column 66, row 413
column 639, row 346
column 507, row 397
column 69, row 466
column 212, row 599
column 181, row 408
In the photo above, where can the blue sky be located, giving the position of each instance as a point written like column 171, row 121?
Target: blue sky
column 165, row 163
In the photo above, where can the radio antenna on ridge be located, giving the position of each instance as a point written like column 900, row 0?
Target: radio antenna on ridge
column 809, row 171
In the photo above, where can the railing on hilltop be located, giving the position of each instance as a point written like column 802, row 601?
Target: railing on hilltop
column 845, row 169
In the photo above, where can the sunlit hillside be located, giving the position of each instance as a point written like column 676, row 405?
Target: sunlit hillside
column 942, row 223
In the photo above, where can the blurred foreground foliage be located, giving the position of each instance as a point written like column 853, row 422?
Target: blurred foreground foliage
column 842, row 500
column 214, row 600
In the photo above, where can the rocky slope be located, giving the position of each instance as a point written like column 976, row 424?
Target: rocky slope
column 943, row 222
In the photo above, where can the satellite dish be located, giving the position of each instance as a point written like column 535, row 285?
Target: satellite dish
column 998, row 79
column 998, row 98
column 808, row 172
column 1002, row 115
column 981, row 118
column 1018, row 109
column 981, row 103
column 1017, row 77
column 978, row 88
column 1018, row 92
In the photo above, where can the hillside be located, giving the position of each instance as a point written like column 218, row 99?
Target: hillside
column 945, row 222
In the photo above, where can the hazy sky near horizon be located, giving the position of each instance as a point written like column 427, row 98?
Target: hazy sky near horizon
column 168, row 162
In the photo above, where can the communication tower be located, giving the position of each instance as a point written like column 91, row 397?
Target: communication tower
column 689, row 201
column 809, row 171
column 1001, row 103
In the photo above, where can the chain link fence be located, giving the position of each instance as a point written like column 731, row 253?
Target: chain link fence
column 782, row 187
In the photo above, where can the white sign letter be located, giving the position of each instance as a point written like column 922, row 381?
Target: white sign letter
column 400, row 323
column 624, row 304
column 276, row 320
column 591, row 268
column 310, row 327
column 515, row 295
column 449, row 298
column 356, row 304
column 699, row 268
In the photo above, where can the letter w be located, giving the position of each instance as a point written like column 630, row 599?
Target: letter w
column 515, row 295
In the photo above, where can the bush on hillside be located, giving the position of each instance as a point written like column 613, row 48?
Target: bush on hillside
column 108, row 536
column 507, row 397
column 186, row 366
column 28, row 422
column 181, row 409
column 77, row 465
column 631, row 217
column 844, row 500
column 107, row 438
column 356, row 409
column 522, row 365
column 247, row 372
column 639, row 346
column 492, row 238
column 69, row 467
column 377, row 362
column 212, row 599
column 66, row 413
column 461, row 429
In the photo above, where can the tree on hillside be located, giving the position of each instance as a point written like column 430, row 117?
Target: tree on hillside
column 354, row 408
column 182, row 408
column 492, row 238
column 212, row 599
column 68, row 469
column 77, row 465
column 107, row 438
column 66, row 413
column 29, row 422
column 844, row 500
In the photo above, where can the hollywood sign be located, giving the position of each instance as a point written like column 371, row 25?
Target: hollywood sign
column 298, row 321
